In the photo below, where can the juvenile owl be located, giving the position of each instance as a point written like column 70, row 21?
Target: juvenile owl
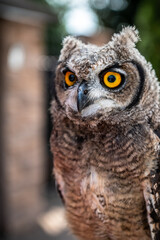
column 105, row 139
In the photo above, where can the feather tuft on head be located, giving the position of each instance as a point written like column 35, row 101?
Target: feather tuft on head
column 69, row 45
column 129, row 36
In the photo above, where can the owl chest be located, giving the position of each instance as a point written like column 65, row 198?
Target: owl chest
column 107, row 151
column 121, row 155
column 100, row 181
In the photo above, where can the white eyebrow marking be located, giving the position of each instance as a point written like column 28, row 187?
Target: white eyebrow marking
column 118, row 70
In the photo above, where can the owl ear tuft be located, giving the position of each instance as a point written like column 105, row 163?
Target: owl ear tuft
column 129, row 36
column 70, row 44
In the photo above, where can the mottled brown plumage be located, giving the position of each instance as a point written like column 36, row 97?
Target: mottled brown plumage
column 105, row 140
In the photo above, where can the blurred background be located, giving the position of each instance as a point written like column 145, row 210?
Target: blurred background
column 31, row 33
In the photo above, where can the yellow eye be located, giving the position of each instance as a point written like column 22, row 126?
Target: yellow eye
column 112, row 79
column 70, row 78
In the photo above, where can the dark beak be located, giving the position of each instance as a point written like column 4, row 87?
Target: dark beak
column 82, row 96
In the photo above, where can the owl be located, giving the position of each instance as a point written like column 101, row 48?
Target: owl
column 105, row 139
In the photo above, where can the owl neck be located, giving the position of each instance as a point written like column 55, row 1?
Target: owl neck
column 114, row 120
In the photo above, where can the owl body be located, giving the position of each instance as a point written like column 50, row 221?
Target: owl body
column 105, row 140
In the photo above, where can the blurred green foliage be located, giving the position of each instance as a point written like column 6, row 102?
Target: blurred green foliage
column 53, row 38
column 54, row 32
column 147, row 20
column 116, row 13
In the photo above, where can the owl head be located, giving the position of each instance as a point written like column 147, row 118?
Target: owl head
column 111, row 83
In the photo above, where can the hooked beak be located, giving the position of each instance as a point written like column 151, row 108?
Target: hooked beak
column 82, row 96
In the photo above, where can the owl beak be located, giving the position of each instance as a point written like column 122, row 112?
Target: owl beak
column 82, row 96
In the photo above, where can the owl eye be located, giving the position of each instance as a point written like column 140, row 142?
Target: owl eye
column 70, row 78
column 112, row 79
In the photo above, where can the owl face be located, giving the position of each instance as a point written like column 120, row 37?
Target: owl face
column 95, row 80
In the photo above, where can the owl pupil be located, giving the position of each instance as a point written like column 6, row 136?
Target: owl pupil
column 72, row 77
column 111, row 78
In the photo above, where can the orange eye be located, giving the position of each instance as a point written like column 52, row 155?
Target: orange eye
column 112, row 79
column 70, row 78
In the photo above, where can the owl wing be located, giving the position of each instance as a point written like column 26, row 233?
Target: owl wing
column 152, row 198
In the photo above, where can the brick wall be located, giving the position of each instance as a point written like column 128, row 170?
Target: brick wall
column 22, row 123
